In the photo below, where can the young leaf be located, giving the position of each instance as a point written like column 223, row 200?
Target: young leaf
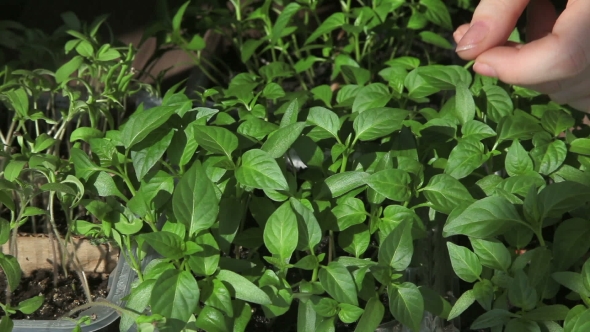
column 548, row 312
column 68, row 68
column 499, row 103
column 355, row 240
column 559, row 198
column 463, row 302
column 391, row 183
column 374, row 95
column 465, row 263
column 282, row 21
column 149, row 151
column 194, row 201
column 492, row 253
column 243, row 288
column 437, row 13
column 349, row 212
column 378, row 122
column 310, row 233
column 406, row 304
column 521, row 293
column 335, row 21
column 11, row 269
column 338, row 282
column 216, row 139
column 445, row 193
column 494, row 317
column 518, row 161
column 341, row 183
column 397, row 248
column 212, row 319
column 372, row 317
column 281, row 140
column 465, row 158
column 141, row 124
column 522, row 325
column 175, row 295
column 325, row 119
column 31, row 305
column 477, row 130
column 281, row 232
column 485, row 218
column 572, row 281
column 165, row 243
column 464, row 104
column 260, row 170
column 349, row 313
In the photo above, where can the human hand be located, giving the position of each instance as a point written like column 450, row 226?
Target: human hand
column 554, row 61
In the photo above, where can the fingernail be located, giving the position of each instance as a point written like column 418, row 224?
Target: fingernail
column 483, row 69
column 476, row 33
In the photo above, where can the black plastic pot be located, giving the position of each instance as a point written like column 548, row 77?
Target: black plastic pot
column 119, row 286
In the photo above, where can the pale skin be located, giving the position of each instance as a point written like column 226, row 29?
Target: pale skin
column 554, row 61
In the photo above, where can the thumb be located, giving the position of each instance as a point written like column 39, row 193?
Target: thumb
column 492, row 23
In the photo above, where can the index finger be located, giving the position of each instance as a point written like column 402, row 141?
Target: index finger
column 491, row 25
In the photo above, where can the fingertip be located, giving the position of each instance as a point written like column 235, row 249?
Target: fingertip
column 460, row 32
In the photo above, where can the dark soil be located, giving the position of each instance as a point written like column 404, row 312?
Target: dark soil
column 58, row 300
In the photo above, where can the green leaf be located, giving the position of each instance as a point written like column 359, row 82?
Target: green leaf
column 341, row 183
column 338, row 282
column 499, row 103
column 397, row 248
column 464, row 104
column 477, row 130
column 570, row 242
column 149, row 151
column 334, row 21
column 467, row 156
column 6, row 324
column 559, row 198
column 485, row 218
column 580, row 146
column 205, row 262
column 175, row 295
column 494, row 317
column 521, row 293
column 445, row 193
column 484, row 293
column 406, row 304
column 85, row 134
column 378, row 122
column 281, row 232
column 435, row 39
column 437, row 13
column 492, row 253
column 556, row 121
column 391, row 183
column 349, row 313
column 68, row 68
column 177, row 19
column 216, row 139
column 197, row 43
column 372, row 317
column 572, row 281
column 282, row 21
column 243, row 288
column 548, row 312
column 306, row 316
column 309, row 231
column 443, row 77
column 355, row 239
column 325, row 119
column 11, row 269
column 281, row 140
column 349, row 212
column 260, row 170
column 518, row 161
column 549, row 157
column 194, row 202
column 463, row 302
column 211, row 319
column 522, row 325
column 517, row 127
column 19, row 100
column 13, row 169
column 374, row 95
column 31, row 305
column 165, row 243
column 465, row 263
column 138, row 300
column 141, row 124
